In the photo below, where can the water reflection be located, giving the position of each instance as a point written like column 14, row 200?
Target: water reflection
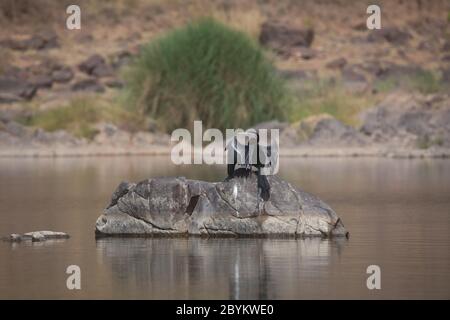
column 37, row 244
column 397, row 212
column 227, row 268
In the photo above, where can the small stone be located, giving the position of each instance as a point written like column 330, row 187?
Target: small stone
column 102, row 70
column 16, row 86
column 446, row 46
column 16, row 129
column 42, row 81
column 91, row 85
column 63, row 75
column 445, row 58
column 392, row 35
column 121, row 58
column 42, row 40
column 114, row 83
column 307, row 53
column 96, row 66
column 284, row 39
column 338, row 63
column 9, row 98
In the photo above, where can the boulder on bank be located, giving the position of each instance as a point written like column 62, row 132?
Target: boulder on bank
column 322, row 131
column 409, row 121
column 179, row 206
column 15, row 89
column 96, row 66
column 283, row 39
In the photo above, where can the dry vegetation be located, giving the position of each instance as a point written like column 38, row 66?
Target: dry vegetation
column 126, row 24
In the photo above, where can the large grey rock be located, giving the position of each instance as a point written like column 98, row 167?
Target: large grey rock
column 178, row 206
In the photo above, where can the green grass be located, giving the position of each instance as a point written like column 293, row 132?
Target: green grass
column 205, row 71
column 424, row 81
column 425, row 142
column 327, row 97
column 80, row 115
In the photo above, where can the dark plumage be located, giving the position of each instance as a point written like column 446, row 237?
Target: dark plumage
column 246, row 170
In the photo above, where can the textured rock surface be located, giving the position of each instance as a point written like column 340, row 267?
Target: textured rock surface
column 321, row 131
column 178, row 206
column 411, row 121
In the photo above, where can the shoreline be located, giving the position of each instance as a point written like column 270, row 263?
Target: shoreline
column 295, row 152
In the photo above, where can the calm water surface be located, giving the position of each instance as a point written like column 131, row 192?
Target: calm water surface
column 397, row 212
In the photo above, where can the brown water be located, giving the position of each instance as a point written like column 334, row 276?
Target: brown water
column 397, row 212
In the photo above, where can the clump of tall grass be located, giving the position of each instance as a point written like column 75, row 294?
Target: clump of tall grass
column 205, row 71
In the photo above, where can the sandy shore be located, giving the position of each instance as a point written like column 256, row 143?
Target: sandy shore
column 165, row 150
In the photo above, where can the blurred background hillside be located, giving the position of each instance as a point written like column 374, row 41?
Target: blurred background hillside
column 138, row 69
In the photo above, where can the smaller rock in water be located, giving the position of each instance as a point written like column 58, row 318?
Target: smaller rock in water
column 36, row 236
column 15, row 237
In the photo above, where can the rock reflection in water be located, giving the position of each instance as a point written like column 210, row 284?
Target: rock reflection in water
column 215, row 268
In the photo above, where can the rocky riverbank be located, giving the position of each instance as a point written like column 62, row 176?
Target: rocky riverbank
column 394, row 82
column 402, row 125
